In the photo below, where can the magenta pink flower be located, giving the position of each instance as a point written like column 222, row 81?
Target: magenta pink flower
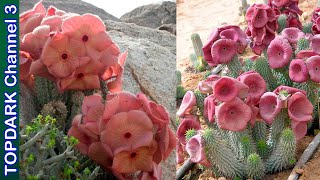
column 257, row 86
column 298, row 71
column 223, row 50
column 196, row 150
column 233, row 115
column 299, row 107
column 214, row 36
column 259, row 18
column 155, row 174
column 315, row 44
column 126, row 130
column 226, row 89
column 290, row 90
column 292, row 34
column 313, row 65
column 304, row 54
column 179, row 153
column 210, row 104
column 299, row 129
column 205, row 86
column 258, row 35
column 269, row 106
column 254, row 114
column 184, row 126
column 279, row 53
column 188, row 102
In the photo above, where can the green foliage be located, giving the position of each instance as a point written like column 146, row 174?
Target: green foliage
column 178, row 75
column 255, row 166
column 234, row 67
column 47, row 153
column 307, row 28
column 197, row 44
column 190, row 133
column 302, row 44
column 180, row 92
column 248, row 65
column 200, row 100
column 262, row 67
column 282, row 22
column 206, row 74
column 197, row 58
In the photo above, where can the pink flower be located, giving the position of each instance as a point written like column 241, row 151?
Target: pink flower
column 254, row 114
column 226, row 89
column 25, row 64
column 133, row 160
column 31, row 19
column 304, row 54
column 210, row 104
column 259, row 18
column 313, row 65
column 269, row 106
column 101, row 154
column 257, row 86
column 223, row 50
column 179, row 153
column 166, row 140
column 205, row 86
column 288, row 89
column 184, row 126
column 233, row 115
column 280, row 3
column 299, row 129
column 62, row 55
column 90, row 31
column 196, row 150
column 188, row 102
column 315, row 44
column 298, row 71
column 292, row 34
column 279, row 53
column 126, row 130
column 299, row 107
column 155, row 174
column 214, row 36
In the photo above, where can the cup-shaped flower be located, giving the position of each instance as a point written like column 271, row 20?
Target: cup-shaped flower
column 313, row 65
column 233, row 115
column 205, row 86
column 299, row 129
column 188, row 102
column 315, row 43
column 156, row 173
column 223, row 50
column 292, row 34
column 259, row 18
column 101, row 153
column 184, row 126
column 166, row 140
column 279, row 53
column 305, row 54
column 126, row 130
column 257, row 86
column 288, row 89
column 298, row 71
column 130, row 161
column 214, row 36
column 227, row 88
column 25, row 64
column 210, row 103
column 62, row 55
column 269, row 106
column 299, row 107
column 31, row 19
column 196, row 149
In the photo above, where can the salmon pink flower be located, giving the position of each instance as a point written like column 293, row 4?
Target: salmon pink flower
column 29, row 20
column 126, row 130
column 25, row 64
column 279, row 53
column 188, row 102
column 166, row 140
column 299, row 107
column 101, row 154
column 205, row 86
column 226, row 89
column 62, row 55
column 156, row 173
column 269, row 106
column 184, row 126
column 133, row 160
column 196, row 150
column 257, row 86
column 313, row 65
column 298, row 71
column 233, row 115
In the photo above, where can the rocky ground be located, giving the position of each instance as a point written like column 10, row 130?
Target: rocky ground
column 202, row 16
column 150, row 66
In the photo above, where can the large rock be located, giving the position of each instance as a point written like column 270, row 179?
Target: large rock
column 153, row 15
column 74, row 6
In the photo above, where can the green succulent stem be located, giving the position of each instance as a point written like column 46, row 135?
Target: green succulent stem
column 234, row 67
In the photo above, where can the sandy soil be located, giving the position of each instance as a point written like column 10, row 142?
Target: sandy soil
column 202, row 16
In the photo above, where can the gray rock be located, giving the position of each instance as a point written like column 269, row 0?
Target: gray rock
column 168, row 27
column 74, row 6
column 152, row 15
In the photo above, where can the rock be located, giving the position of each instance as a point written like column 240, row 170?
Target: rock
column 75, row 6
column 152, row 15
column 168, row 27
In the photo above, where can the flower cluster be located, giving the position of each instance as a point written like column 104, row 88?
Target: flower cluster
column 294, row 100
column 223, row 44
column 74, row 51
column 262, row 24
column 316, row 21
column 290, row 9
column 127, row 135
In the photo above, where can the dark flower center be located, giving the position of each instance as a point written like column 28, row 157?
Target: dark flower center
column 85, row 38
column 133, row 155
column 80, row 75
column 64, row 56
column 127, row 135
